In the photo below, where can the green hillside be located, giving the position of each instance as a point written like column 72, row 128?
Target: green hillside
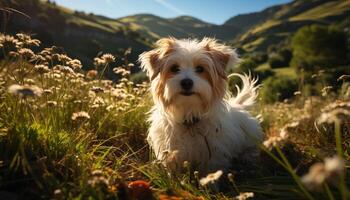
column 277, row 26
column 74, row 127
column 82, row 35
column 154, row 27
column 245, row 21
column 253, row 31
column 85, row 35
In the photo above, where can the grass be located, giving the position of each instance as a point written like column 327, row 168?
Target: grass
column 263, row 66
column 107, row 25
column 285, row 71
column 259, row 29
column 332, row 8
column 251, row 46
column 288, row 18
column 70, row 134
column 266, row 25
column 282, row 71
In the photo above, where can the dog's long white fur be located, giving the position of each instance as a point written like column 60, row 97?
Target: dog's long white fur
column 225, row 129
column 246, row 96
column 206, row 147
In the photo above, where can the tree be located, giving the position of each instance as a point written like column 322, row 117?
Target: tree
column 277, row 61
column 278, row 88
column 259, row 57
column 286, row 54
column 246, row 65
column 318, row 47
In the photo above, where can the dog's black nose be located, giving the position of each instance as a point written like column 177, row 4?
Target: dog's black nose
column 186, row 84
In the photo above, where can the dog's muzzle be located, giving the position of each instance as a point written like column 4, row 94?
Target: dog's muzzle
column 187, row 85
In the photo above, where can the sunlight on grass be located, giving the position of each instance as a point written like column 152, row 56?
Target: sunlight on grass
column 70, row 134
column 283, row 71
column 252, row 45
column 328, row 9
column 262, row 67
column 266, row 25
column 286, row 71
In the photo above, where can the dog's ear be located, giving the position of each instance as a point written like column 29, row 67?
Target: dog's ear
column 151, row 61
column 223, row 56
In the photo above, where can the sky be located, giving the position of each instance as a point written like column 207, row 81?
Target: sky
column 213, row 11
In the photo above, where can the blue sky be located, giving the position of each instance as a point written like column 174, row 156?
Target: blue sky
column 214, row 11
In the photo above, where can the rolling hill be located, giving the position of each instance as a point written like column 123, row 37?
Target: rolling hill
column 276, row 24
column 154, row 27
column 85, row 35
column 82, row 35
column 253, row 31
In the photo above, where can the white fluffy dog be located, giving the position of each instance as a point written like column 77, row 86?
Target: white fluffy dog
column 194, row 118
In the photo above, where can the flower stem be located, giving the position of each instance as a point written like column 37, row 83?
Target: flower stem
column 329, row 192
column 294, row 175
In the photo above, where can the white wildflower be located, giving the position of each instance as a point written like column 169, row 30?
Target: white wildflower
column 321, row 173
column 97, row 89
column 98, row 102
column 51, row 103
column 108, row 58
column 63, row 58
column 211, row 178
column 244, row 196
column 82, row 115
column 334, row 115
column 25, row 91
column 75, row 64
column 334, row 166
column 344, row 77
column 316, row 176
column 27, row 53
column 41, row 69
column 296, row 93
column 276, row 140
column 326, row 90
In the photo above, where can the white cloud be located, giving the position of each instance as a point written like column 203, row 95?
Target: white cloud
column 169, row 6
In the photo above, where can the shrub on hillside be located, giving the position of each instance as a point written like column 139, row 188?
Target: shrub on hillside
column 278, row 88
column 260, row 58
column 277, row 61
column 272, row 49
column 246, row 65
column 286, row 54
column 316, row 47
column 264, row 74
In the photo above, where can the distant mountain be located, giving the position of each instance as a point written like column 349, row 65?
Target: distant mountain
column 245, row 21
column 82, row 35
column 85, row 35
column 276, row 24
column 251, row 32
column 154, row 27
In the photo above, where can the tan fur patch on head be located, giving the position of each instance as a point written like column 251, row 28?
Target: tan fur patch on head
column 163, row 78
column 165, row 45
column 223, row 56
column 205, row 75
column 151, row 60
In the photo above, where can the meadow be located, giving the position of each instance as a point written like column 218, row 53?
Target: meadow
column 66, row 133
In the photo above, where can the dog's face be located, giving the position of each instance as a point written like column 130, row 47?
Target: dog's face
column 188, row 76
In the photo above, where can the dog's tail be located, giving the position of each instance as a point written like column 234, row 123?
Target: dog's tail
column 246, row 95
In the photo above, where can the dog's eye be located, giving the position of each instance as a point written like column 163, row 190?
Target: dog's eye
column 199, row 69
column 175, row 68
